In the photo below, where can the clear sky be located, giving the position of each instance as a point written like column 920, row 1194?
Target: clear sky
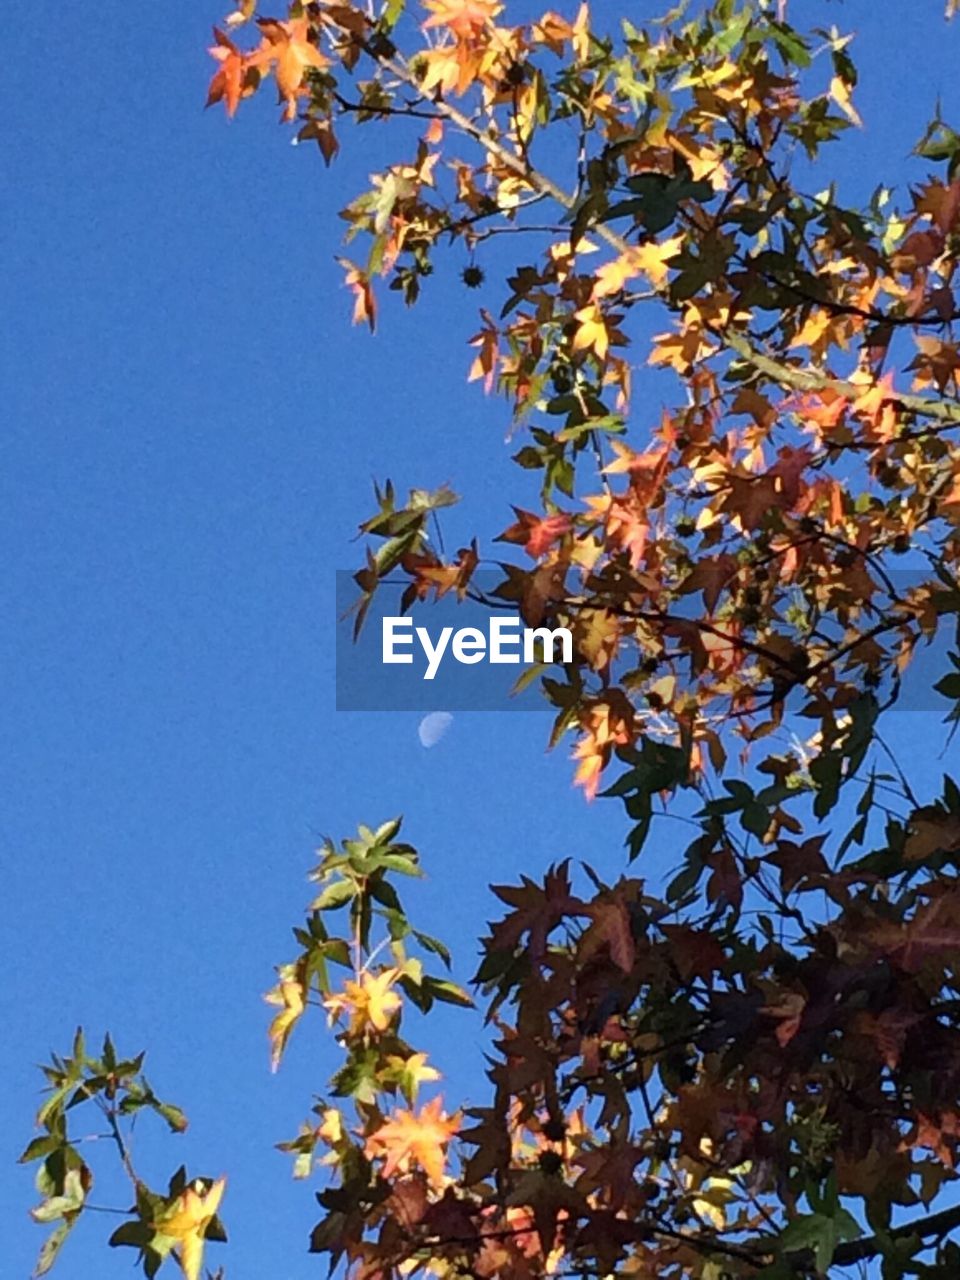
column 190, row 428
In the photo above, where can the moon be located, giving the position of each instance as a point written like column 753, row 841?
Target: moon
column 433, row 727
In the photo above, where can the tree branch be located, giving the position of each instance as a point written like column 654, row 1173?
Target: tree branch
column 937, row 1224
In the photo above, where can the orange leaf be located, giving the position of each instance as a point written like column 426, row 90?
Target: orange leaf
column 288, row 49
column 227, row 85
column 417, row 1138
column 466, row 19
column 536, row 534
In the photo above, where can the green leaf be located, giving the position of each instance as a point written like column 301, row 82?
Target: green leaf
column 335, row 895
column 433, row 945
column 174, row 1117
column 40, row 1147
column 136, row 1234
column 755, row 819
column 50, row 1250
column 821, row 1233
column 448, row 992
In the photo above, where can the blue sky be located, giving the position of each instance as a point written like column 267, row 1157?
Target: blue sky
column 190, row 432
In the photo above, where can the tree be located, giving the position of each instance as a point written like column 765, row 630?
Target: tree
column 756, row 1072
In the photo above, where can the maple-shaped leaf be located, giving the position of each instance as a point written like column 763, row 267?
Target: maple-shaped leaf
column 939, row 1134
column 536, row 911
column 840, row 93
column 485, row 364
column 942, row 202
column 611, row 926
column 596, row 331
column 236, row 77
column 288, row 49
column 931, row 936
column 652, row 259
column 465, row 19
column 626, row 522
column 821, row 414
column 430, row 574
column 645, row 470
column 936, row 362
column 536, row 534
column 649, row 259
column 609, row 723
column 597, row 636
column 415, row 1138
column 290, row 996
column 551, row 1201
column 889, row 1030
column 410, row 1073
column 932, row 829
column 370, row 1002
column 409, row 1200
column 878, row 406
column 365, row 303
column 187, row 1220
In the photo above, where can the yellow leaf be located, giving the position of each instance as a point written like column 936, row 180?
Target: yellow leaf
column 331, row 1127
column 413, row 1072
column 289, row 995
column 597, row 635
column 612, row 276
column 592, row 331
column 840, row 93
column 187, row 1220
column 580, row 39
column 648, row 259
column 369, row 1002
column 652, row 258
column 819, row 331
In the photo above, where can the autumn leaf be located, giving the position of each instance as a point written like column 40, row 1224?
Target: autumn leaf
column 931, row 830
column 596, row 331
column 243, row 13
column 816, row 330
column 877, row 405
column 788, row 1012
column 840, row 93
column 371, row 1002
column 412, row 1138
column 939, row 1134
column 596, row 634
column 485, row 363
column 290, row 996
column 465, row 19
column 234, row 79
column 537, row 534
column 625, row 520
column 649, row 259
column 187, row 1221
column 289, row 50
column 611, row 926
column 652, row 259
column 607, row 724
column 365, row 304
column 411, row 1073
